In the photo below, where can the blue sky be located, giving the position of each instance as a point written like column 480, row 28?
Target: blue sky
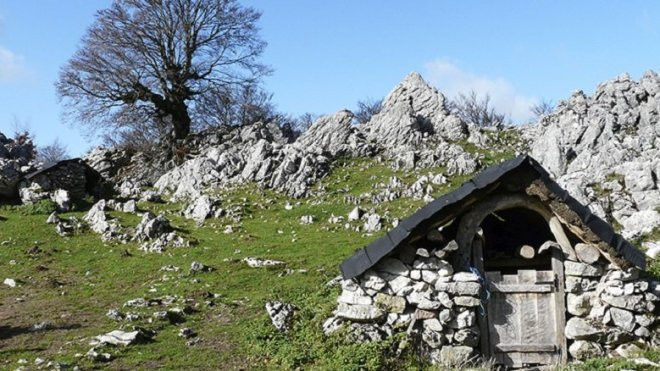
column 327, row 55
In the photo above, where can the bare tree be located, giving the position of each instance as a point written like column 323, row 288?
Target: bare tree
column 542, row 109
column 469, row 108
column 304, row 121
column 151, row 62
column 235, row 107
column 366, row 109
column 54, row 152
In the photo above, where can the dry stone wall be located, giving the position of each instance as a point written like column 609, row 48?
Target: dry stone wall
column 419, row 292
column 415, row 291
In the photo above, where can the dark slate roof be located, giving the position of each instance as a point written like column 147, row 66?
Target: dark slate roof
column 51, row 166
column 367, row 257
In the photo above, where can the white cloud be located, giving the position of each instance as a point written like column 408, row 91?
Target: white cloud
column 12, row 66
column 451, row 80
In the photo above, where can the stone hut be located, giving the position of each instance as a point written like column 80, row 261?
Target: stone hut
column 508, row 267
column 73, row 176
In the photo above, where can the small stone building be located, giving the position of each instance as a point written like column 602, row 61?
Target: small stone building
column 507, row 267
column 73, row 176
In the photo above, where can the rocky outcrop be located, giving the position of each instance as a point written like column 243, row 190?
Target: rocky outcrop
column 16, row 159
column 414, row 129
column 412, row 111
column 247, row 154
column 605, row 150
column 335, row 135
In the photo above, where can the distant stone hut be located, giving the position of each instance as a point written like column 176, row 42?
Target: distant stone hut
column 73, row 176
column 507, row 267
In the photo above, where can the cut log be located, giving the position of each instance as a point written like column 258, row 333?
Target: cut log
column 526, row 251
column 587, row 253
column 547, row 245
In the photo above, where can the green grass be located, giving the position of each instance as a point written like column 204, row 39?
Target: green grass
column 74, row 281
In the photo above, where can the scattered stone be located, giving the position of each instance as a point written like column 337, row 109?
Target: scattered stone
column 332, row 324
column 372, row 223
column 10, row 282
column 259, row 263
column 187, row 333
column 53, row 218
column 151, row 227
column 62, row 199
column 355, row 214
column 199, row 267
column 115, row 315
column 200, row 209
column 118, row 337
column 306, row 219
column 280, row 314
column 95, row 356
column 41, row 326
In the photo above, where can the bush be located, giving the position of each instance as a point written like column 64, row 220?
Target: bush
column 469, row 108
column 43, row 207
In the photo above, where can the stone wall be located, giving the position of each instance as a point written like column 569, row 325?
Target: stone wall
column 608, row 308
column 417, row 291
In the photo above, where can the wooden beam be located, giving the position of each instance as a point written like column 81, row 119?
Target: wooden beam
column 478, row 263
column 520, row 288
column 525, row 348
column 560, row 304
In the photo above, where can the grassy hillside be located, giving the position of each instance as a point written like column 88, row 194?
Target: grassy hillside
column 72, row 282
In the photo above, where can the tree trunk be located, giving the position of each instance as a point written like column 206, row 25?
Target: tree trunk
column 180, row 120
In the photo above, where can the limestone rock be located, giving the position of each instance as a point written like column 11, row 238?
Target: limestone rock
column 581, row 329
column 633, row 303
column 583, row 350
column 151, row 227
column 372, row 223
column 579, row 304
column 355, row 214
column 332, row 324
column 62, row 199
column 359, row 312
column 201, row 208
column 392, row 266
column 280, row 314
column 466, row 301
column 465, row 277
column 118, row 337
column 259, row 263
column 623, row 319
column 581, row 269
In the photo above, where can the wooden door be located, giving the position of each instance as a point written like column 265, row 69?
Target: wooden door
column 523, row 318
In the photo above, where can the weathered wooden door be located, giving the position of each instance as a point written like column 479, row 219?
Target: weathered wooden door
column 523, row 319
